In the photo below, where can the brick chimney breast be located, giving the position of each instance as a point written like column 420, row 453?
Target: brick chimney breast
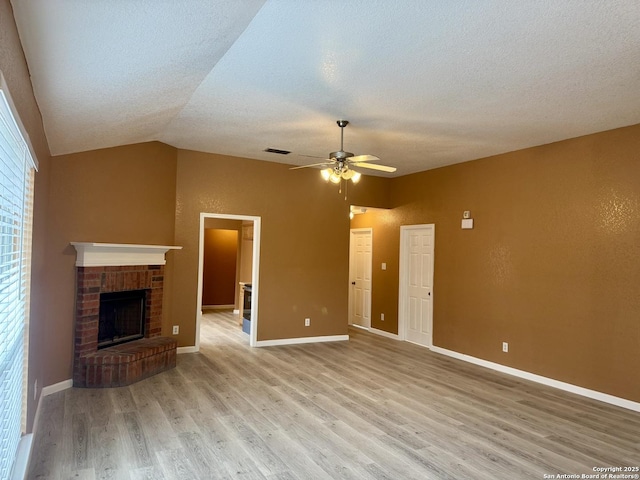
column 129, row 362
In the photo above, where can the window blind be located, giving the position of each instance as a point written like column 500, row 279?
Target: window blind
column 16, row 197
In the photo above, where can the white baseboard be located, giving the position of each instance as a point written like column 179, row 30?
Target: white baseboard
column 355, row 325
column 56, row 387
column 192, row 349
column 36, row 417
column 377, row 331
column 218, row 307
column 26, row 442
column 299, row 340
column 383, row 333
column 568, row 387
column 23, row 456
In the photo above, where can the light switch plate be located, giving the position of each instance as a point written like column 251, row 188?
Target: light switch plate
column 384, row 266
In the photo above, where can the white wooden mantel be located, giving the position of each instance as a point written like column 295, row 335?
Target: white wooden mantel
column 91, row 254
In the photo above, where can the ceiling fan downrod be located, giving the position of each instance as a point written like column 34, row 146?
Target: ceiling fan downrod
column 342, row 124
column 341, row 154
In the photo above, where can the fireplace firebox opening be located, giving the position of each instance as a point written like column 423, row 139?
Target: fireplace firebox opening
column 122, row 317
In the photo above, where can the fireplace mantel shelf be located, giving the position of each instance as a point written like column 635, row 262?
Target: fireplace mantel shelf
column 90, row 254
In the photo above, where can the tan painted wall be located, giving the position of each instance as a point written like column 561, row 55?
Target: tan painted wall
column 16, row 74
column 552, row 265
column 115, row 195
column 304, row 241
column 220, row 267
column 230, row 224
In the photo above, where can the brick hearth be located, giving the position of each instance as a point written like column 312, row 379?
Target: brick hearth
column 130, row 362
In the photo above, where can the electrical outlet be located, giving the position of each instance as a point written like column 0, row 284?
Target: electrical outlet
column 176, row 329
column 307, row 322
column 505, row 347
column 382, row 317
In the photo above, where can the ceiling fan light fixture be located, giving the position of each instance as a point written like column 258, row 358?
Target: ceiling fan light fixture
column 341, row 161
column 335, row 175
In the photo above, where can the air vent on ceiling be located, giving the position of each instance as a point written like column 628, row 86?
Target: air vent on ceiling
column 278, row 151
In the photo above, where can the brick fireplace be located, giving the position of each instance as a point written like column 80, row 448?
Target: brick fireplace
column 99, row 272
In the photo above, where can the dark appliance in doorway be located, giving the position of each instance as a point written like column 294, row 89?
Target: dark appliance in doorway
column 246, row 309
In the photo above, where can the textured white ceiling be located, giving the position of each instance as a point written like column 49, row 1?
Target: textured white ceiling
column 425, row 83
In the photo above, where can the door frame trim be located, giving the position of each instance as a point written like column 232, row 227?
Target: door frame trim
column 255, row 274
column 403, row 278
column 351, row 260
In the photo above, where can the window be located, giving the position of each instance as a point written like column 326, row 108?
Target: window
column 16, row 198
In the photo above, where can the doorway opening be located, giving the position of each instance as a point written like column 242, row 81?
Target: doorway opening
column 215, row 233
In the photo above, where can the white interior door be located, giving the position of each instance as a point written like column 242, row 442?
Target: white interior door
column 360, row 248
column 416, row 277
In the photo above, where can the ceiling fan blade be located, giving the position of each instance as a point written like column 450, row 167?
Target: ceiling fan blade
column 364, row 158
column 372, row 166
column 328, row 162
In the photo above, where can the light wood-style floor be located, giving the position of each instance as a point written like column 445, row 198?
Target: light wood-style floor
column 370, row 408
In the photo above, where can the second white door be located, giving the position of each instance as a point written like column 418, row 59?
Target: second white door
column 360, row 250
column 416, row 277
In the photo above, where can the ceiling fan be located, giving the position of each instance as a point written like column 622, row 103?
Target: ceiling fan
column 339, row 164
